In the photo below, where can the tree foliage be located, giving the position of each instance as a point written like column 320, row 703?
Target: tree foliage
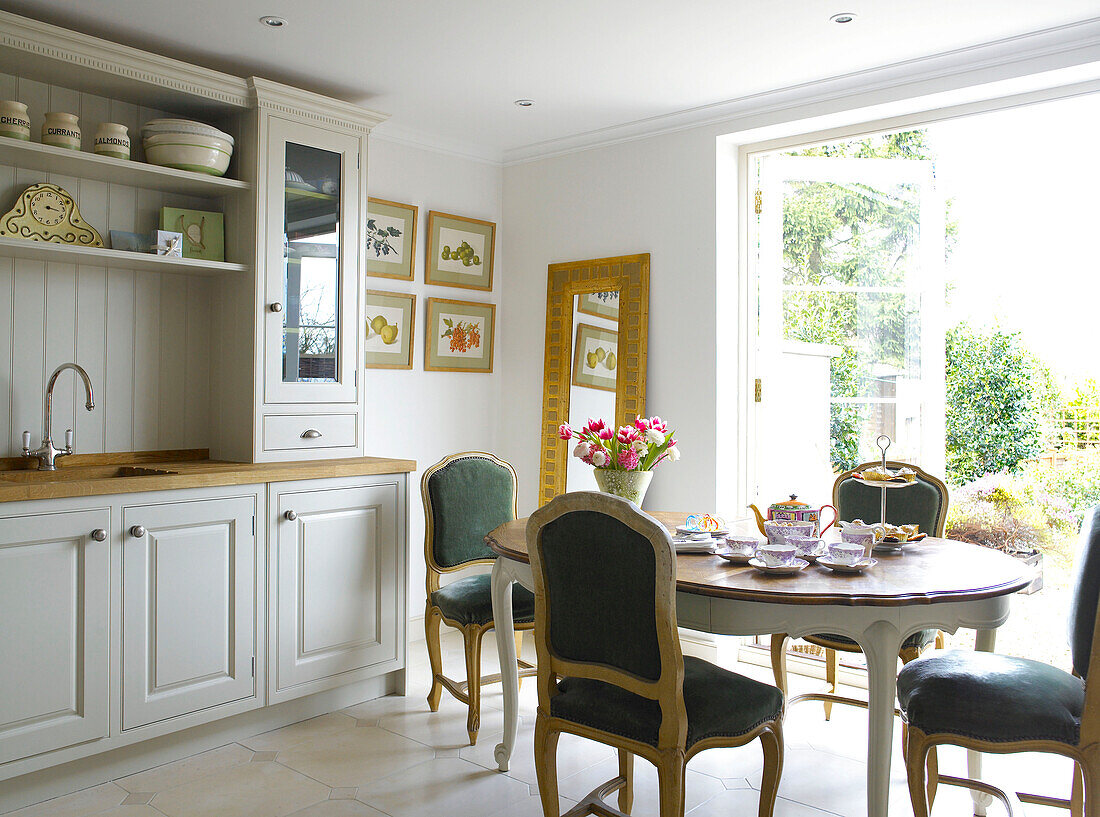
column 997, row 394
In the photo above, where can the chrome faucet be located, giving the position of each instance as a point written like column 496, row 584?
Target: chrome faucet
column 46, row 454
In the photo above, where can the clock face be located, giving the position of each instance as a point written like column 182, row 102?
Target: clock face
column 48, row 208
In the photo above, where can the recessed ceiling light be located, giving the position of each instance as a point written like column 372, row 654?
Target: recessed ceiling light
column 525, row 103
column 843, row 17
column 273, row 22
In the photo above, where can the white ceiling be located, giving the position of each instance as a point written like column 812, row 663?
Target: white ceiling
column 448, row 71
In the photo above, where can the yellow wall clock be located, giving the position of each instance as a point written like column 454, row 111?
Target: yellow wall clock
column 46, row 212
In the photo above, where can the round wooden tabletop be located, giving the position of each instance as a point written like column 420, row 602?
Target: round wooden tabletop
column 926, row 572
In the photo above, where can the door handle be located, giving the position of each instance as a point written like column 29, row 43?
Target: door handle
column 137, row 531
column 290, row 516
column 99, row 535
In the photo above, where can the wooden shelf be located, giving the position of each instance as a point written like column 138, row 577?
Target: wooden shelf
column 50, row 159
column 98, row 256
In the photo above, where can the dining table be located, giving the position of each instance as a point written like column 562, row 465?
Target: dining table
column 933, row 583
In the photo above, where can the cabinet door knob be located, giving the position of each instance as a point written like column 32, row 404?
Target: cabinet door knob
column 311, row 434
column 290, row 516
column 276, row 307
column 99, row 535
column 137, row 531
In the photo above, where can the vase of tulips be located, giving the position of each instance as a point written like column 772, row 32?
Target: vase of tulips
column 623, row 460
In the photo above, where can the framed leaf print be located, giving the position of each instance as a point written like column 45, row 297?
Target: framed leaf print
column 391, row 239
column 390, row 319
column 460, row 251
column 459, row 336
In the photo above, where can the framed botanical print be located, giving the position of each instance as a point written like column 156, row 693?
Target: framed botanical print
column 459, row 336
column 595, row 357
column 600, row 304
column 391, row 239
column 460, row 251
column 390, row 319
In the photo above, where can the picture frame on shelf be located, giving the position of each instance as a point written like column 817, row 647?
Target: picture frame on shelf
column 203, row 231
column 460, row 251
column 599, row 304
column 595, row 357
column 389, row 345
column 391, row 239
column 459, row 336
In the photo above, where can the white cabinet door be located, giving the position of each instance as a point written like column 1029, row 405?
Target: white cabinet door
column 188, row 607
column 54, row 642
column 337, row 566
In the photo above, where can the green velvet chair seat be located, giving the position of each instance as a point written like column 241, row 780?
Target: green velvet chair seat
column 468, row 601
column 918, row 640
column 991, row 697
column 718, row 702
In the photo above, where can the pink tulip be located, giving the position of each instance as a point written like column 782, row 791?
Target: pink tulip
column 606, row 434
column 628, row 434
column 564, row 431
column 595, row 425
column 642, row 424
column 657, row 424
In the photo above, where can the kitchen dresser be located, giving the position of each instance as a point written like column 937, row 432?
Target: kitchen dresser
column 222, row 556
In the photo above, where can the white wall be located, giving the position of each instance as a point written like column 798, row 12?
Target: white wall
column 427, row 415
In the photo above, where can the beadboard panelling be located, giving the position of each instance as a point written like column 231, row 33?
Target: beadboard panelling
column 144, row 338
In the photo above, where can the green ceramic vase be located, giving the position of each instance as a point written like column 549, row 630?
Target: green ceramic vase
column 630, row 485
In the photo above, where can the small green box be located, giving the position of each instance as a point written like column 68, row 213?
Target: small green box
column 203, row 232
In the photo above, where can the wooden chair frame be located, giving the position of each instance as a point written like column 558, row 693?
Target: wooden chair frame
column 833, row 649
column 671, row 753
column 468, row 691
column 922, row 768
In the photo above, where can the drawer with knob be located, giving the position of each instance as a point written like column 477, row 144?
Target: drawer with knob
column 287, row 432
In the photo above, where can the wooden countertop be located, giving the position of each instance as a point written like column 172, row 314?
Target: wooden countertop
column 133, row 472
column 925, row 572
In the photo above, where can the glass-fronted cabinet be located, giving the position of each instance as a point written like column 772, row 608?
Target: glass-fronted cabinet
column 312, row 258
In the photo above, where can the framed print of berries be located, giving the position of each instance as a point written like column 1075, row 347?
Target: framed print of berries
column 460, row 336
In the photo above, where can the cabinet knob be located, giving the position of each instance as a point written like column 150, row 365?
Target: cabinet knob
column 311, row 434
column 99, row 535
column 137, row 531
column 290, row 516
column 276, row 307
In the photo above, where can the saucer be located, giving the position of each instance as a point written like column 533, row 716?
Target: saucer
column 841, row 567
column 779, row 570
column 735, row 558
column 889, row 547
column 812, row 557
column 687, row 530
column 695, row 545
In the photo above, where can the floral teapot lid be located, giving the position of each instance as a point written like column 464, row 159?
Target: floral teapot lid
column 791, row 504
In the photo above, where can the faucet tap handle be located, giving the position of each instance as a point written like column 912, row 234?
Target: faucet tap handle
column 26, row 443
column 68, row 441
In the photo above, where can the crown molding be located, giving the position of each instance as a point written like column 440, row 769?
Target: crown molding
column 1036, row 52
column 392, row 132
column 284, row 99
column 24, row 38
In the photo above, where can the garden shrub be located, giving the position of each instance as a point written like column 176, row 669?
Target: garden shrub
column 1077, row 482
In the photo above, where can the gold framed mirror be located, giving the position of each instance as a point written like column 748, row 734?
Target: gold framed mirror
column 603, row 280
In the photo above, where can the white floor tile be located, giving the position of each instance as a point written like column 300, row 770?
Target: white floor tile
column 354, row 757
column 278, row 740
column 699, row 787
column 83, row 803
column 246, row 790
column 449, row 786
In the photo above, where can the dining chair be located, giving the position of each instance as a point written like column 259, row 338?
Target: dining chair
column 1003, row 704
column 465, row 496
column 925, row 504
column 610, row 666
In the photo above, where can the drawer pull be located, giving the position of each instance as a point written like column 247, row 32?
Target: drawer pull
column 311, row 434
column 137, row 531
column 290, row 516
column 99, row 535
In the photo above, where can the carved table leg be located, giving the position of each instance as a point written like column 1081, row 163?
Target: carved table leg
column 501, row 588
column 881, row 643
column 984, row 640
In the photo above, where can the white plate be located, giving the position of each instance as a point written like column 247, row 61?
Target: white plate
column 841, row 567
column 735, row 558
column 684, row 530
column 781, row 570
column 694, row 545
column 889, row 547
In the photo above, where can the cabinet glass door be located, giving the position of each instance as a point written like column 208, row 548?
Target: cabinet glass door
column 313, row 199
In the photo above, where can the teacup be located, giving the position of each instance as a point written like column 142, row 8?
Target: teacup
column 807, row 546
column 878, row 529
column 743, row 545
column 846, row 553
column 777, row 555
column 779, row 530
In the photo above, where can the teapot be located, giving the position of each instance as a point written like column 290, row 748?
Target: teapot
column 795, row 511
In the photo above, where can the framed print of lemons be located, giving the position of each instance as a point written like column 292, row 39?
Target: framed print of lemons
column 459, row 337
column 460, row 251
column 390, row 319
column 46, row 212
column 596, row 357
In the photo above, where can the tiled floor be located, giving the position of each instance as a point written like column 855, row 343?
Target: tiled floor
column 393, row 757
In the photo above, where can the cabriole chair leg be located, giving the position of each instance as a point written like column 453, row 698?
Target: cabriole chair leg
column 832, row 669
column 472, row 637
column 432, row 622
column 626, row 772
column 546, row 765
column 771, row 740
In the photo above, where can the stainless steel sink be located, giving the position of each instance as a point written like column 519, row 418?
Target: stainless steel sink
column 84, row 473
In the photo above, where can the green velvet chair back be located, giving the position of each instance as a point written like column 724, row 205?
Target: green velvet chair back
column 1086, row 593
column 924, row 503
column 465, row 496
column 605, row 599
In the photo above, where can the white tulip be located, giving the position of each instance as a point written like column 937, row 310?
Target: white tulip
column 599, row 458
column 582, row 450
column 654, row 437
column 673, row 453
